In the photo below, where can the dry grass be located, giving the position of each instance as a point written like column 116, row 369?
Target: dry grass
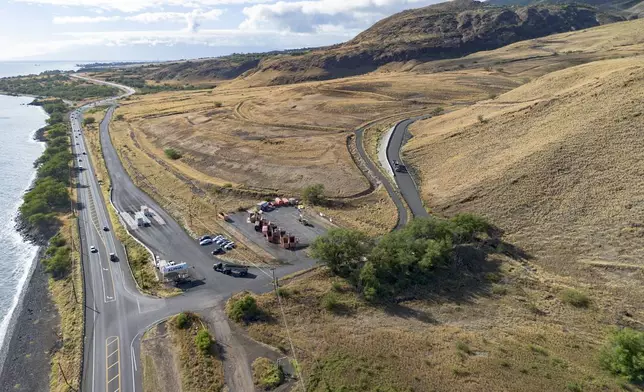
column 172, row 362
column 199, row 372
column 488, row 342
column 70, row 311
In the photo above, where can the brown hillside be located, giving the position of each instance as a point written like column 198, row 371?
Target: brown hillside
column 439, row 31
column 558, row 163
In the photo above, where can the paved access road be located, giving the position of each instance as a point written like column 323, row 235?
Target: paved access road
column 117, row 313
column 404, row 180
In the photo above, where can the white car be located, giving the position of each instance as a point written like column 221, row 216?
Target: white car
column 229, row 246
column 206, row 241
column 93, row 249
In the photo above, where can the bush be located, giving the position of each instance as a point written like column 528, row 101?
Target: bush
column 119, row 117
column 203, row 340
column 88, row 121
column 624, row 354
column 342, row 250
column 182, row 321
column 330, row 301
column 498, row 289
column 267, row 374
column 172, row 153
column 59, row 263
column 314, row 194
column 575, row 298
column 437, row 111
column 243, row 309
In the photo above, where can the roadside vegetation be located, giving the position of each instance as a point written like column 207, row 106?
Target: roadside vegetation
column 267, row 374
column 624, row 354
column 49, row 195
column 66, row 288
column 46, row 216
column 182, row 343
column 172, row 153
column 399, row 260
column 55, row 84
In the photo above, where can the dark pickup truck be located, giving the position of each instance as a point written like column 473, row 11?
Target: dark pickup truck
column 231, row 269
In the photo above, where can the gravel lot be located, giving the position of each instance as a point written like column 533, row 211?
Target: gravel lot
column 285, row 217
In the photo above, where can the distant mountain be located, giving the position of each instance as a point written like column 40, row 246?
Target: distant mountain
column 605, row 5
column 450, row 29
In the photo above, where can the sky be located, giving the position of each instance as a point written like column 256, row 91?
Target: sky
column 149, row 30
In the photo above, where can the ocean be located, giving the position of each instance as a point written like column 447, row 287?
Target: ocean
column 18, row 151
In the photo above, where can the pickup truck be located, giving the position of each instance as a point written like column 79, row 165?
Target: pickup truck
column 231, row 269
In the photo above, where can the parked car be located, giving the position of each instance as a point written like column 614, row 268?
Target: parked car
column 205, row 237
column 218, row 251
column 229, row 246
column 93, row 249
column 206, row 241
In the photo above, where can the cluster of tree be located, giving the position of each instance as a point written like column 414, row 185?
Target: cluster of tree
column 623, row 355
column 383, row 268
column 49, row 194
column 55, row 85
column 57, row 258
column 314, row 194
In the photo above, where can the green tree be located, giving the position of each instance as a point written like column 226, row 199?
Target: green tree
column 343, row 251
column 203, row 340
column 314, row 194
column 59, row 263
column 89, row 120
column 467, row 226
column 172, row 153
column 624, row 354
column 244, row 309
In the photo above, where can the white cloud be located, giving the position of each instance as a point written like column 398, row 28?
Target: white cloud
column 312, row 15
column 193, row 19
column 140, row 5
column 225, row 38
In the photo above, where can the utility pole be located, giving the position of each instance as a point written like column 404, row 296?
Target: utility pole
column 65, row 378
column 275, row 284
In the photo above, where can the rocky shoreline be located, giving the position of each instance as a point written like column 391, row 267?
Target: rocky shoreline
column 33, row 336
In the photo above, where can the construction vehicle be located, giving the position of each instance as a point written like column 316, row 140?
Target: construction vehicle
column 231, row 269
column 304, row 221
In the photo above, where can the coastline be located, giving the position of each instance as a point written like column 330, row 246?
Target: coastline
column 27, row 350
column 24, row 359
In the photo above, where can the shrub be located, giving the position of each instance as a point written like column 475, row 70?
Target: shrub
column 243, row 309
column 498, row 289
column 623, row 355
column 574, row 387
column 314, row 194
column 575, row 298
column 59, row 264
column 218, row 104
column 463, row 347
column 172, row 153
column 119, row 117
column 437, row 111
column 89, row 120
column 330, row 301
column 266, row 373
column 203, row 340
column 539, row 350
column 182, row 321
column 481, row 118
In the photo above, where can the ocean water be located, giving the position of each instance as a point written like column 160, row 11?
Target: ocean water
column 18, row 151
column 15, row 68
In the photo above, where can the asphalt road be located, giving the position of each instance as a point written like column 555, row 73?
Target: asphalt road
column 117, row 313
column 404, row 180
column 384, row 180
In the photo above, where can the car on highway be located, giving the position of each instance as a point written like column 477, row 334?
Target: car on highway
column 113, row 257
column 399, row 167
column 105, row 228
column 93, row 249
column 84, row 153
column 206, row 241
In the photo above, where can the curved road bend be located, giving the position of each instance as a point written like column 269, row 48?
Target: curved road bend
column 400, row 205
column 117, row 313
column 405, row 182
